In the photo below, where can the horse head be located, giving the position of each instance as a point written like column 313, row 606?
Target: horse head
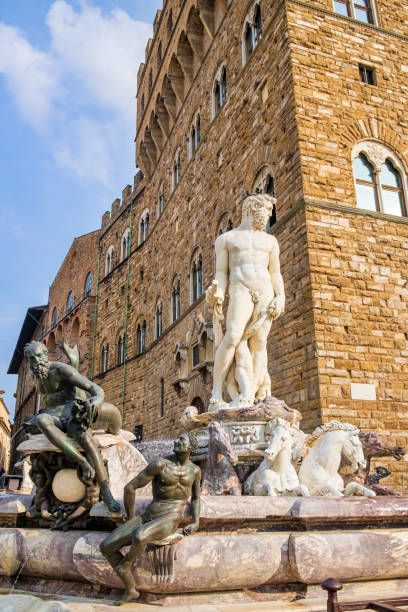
column 220, row 441
column 374, row 446
column 353, row 451
column 280, row 438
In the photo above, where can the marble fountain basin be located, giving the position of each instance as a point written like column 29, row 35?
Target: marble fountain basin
column 243, row 543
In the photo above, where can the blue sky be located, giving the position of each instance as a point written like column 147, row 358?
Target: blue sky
column 68, row 73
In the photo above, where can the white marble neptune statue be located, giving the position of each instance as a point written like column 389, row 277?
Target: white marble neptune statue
column 248, row 270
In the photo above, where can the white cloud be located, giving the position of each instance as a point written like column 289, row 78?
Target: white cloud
column 30, row 75
column 79, row 93
column 102, row 52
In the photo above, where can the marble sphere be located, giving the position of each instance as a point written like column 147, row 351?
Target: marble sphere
column 67, row 487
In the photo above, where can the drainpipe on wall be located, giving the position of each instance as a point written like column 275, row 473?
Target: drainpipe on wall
column 127, row 307
column 95, row 312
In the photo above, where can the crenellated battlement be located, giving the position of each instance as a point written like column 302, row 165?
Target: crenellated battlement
column 119, row 204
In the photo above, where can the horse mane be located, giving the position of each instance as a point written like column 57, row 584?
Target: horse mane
column 331, row 426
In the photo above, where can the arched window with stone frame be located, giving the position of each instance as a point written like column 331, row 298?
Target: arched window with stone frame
column 125, row 244
column 70, row 302
column 196, row 277
column 176, row 171
column 160, row 201
column 54, row 317
column 195, row 135
column 361, row 10
column 175, row 300
column 380, row 179
column 144, row 223
column 104, row 357
column 224, row 224
column 251, row 32
column 158, row 320
column 88, row 285
column 264, row 183
column 220, row 90
column 121, row 355
column 141, row 337
column 109, row 260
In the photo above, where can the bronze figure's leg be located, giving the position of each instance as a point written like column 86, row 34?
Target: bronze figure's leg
column 87, row 442
column 46, row 424
column 110, row 548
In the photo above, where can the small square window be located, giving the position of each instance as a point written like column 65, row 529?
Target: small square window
column 138, row 433
column 367, row 75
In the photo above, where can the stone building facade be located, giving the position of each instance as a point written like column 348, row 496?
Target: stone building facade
column 5, row 433
column 308, row 103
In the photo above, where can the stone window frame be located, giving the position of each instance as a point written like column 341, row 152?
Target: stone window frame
column 143, row 227
column 88, row 284
column 158, row 319
column 54, row 317
column 377, row 153
column 371, row 10
column 264, row 182
column 121, row 348
column 109, row 260
column 251, row 26
column 141, row 328
column 160, row 201
column 221, row 77
column 175, row 303
column 125, row 245
column 194, row 136
column 104, row 357
column 196, row 276
column 70, row 302
column 176, row 170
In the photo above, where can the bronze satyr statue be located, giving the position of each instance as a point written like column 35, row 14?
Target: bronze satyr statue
column 67, row 417
column 174, row 479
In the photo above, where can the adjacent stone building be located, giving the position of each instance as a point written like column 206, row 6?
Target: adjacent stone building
column 69, row 315
column 302, row 99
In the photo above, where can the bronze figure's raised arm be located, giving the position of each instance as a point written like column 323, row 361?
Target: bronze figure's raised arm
column 174, row 479
column 67, row 415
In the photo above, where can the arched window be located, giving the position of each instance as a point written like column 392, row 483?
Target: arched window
column 170, row 22
column 196, row 278
column 380, row 180
column 220, row 90
column 175, row 301
column 54, row 317
column 176, row 171
column 199, row 404
column 150, row 80
column 141, row 337
column 142, row 103
column 158, row 320
column 160, row 201
column 105, row 358
column 125, row 245
column 143, row 227
column 252, row 32
column 88, row 285
column 109, row 260
column 362, row 10
column 159, row 54
column 194, row 138
column 121, row 350
column 70, row 302
column 264, row 183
